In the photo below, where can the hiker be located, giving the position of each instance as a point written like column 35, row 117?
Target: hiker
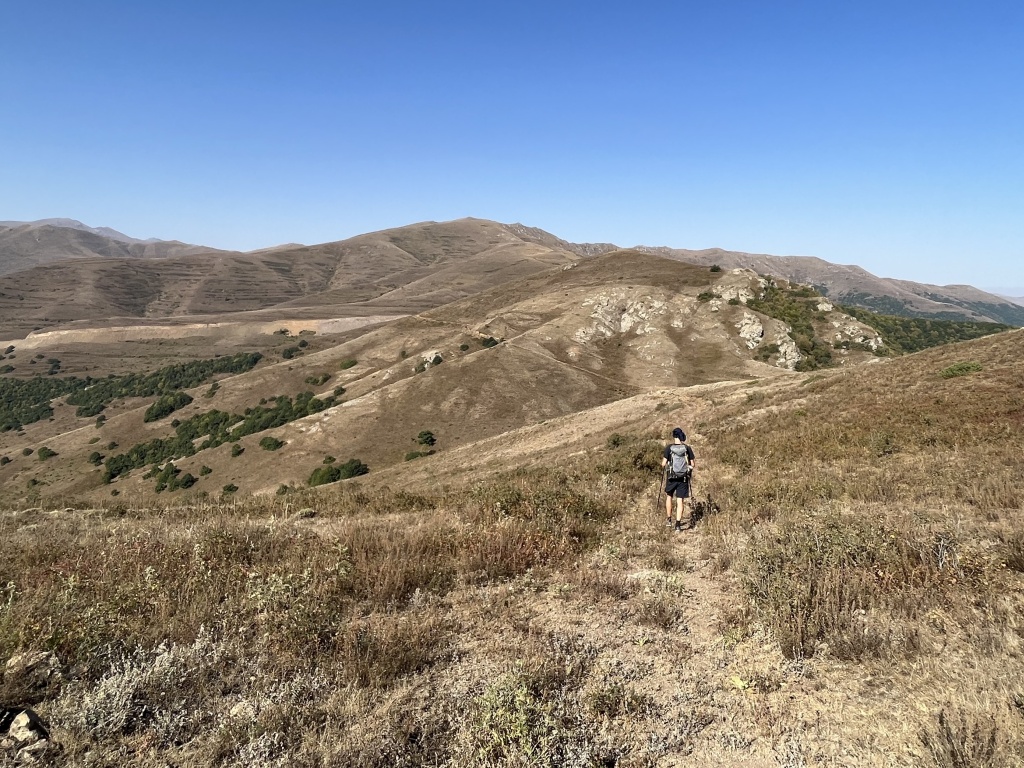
column 679, row 463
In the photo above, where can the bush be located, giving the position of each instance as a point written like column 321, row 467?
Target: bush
column 26, row 451
column 316, row 381
column 464, row 347
column 166, row 405
column 426, row 437
column 46, row 453
column 236, row 450
column 706, row 296
column 344, row 365
column 269, row 443
column 417, row 454
column 289, row 352
column 230, row 488
column 205, row 470
column 488, row 342
column 95, row 458
column 960, row 369
column 715, row 268
column 335, row 472
column 5, row 460
column 436, row 360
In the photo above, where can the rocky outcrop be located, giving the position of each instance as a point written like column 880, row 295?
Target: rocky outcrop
column 617, row 312
column 751, row 330
column 23, row 736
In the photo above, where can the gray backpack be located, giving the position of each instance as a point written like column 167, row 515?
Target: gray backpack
column 678, row 463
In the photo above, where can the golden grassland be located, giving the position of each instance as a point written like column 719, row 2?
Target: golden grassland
column 852, row 595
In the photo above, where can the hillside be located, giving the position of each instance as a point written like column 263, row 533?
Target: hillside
column 53, row 276
column 848, row 284
column 28, row 244
column 542, row 347
column 851, row 594
column 400, row 271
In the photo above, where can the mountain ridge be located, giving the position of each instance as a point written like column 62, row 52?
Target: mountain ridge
column 401, row 269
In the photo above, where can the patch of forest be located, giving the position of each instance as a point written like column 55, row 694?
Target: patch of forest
column 26, row 401
column 912, row 334
column 217, row 427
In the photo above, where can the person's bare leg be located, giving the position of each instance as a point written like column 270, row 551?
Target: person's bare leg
column 668, row 507
column 679, row 510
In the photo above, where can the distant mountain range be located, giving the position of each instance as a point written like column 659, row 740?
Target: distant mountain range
column 27, row 244
column 57, row 271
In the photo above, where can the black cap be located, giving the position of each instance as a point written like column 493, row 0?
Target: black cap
column 678, row 434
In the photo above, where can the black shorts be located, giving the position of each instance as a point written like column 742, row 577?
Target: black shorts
column 678, row 488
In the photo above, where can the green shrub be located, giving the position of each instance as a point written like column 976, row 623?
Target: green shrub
column 230, row 488
column 615, row 440
column 289, row 352
column 329, row 460
column 95, row 458
column 960, row 369
column 464, row 347
column 734, row 302
column 436, row 360
column 205, row 470
column 316, row 381
column 303, row 344
column 166, row 405
column 335, row 472
column 420, row 367
column 715, row 268
column 5, row 460
column 417, row 454
column 488, row 342
column 339, row 391
column 706, row 296
column 269, row 443
column 426, row 437
column 344, row 365
column 26, row 451
column 236, row 450
column 46, row 453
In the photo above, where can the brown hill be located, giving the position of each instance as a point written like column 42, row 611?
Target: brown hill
column 572, row 338
column 397, row 271
column 28, row 244
column 854, row 285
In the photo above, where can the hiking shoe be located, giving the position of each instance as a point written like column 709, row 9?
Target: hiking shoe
column 668, row 521
column 679, row 527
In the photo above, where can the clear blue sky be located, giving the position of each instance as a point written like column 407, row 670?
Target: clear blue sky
column 886, row 134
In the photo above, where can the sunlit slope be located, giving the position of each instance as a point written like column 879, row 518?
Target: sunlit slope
column 558, row 342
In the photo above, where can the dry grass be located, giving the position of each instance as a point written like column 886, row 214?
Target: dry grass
column 168, row 618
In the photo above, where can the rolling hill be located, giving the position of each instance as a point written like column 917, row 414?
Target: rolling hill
column 544, row 346
column 57, row 276
column 28, row 244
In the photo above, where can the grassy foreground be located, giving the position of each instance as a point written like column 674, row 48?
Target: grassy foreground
column 854, row 595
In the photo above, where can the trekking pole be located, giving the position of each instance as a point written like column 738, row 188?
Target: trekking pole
column 660, row 491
